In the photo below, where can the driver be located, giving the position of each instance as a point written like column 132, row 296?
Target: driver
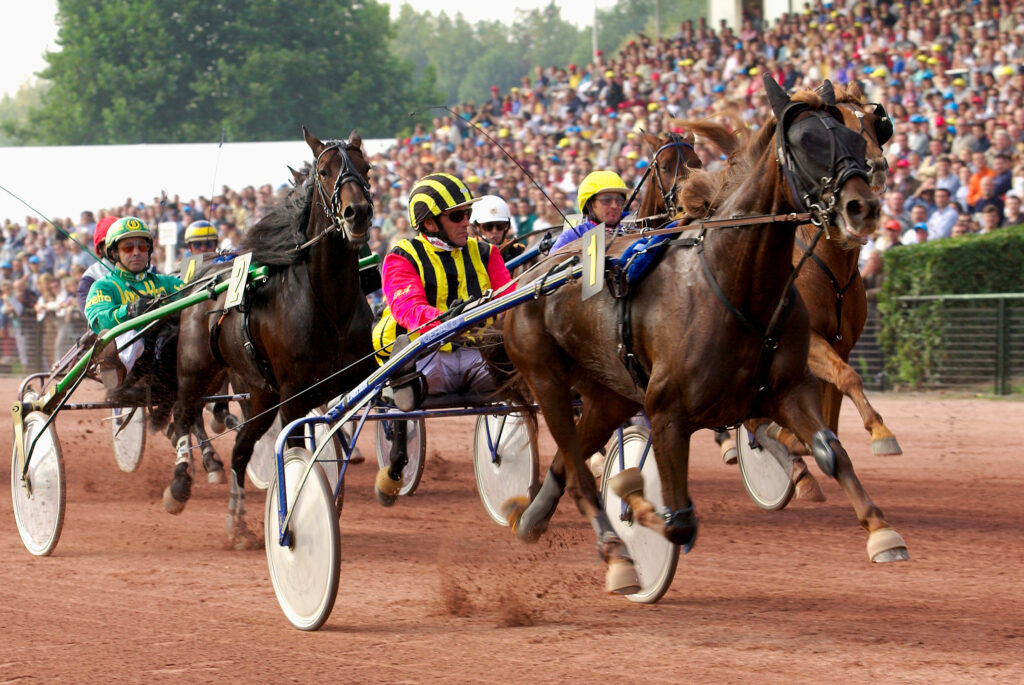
column 426, row 275
column 491, row 221
column 125, row 293
column 601, row 196
column 201, row 237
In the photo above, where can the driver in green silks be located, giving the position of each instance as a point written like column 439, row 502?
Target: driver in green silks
column 125, row 293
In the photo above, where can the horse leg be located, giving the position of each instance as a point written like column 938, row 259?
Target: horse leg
column 223, row 419
column 212, row 464
column 825, row 363
column 177, row 494
column 727, row 447
column 800, row 410
column 239, row 535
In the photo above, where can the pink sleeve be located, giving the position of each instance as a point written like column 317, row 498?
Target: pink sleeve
column 498, row 273
column 405, row 295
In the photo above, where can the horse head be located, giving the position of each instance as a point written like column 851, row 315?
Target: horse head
column 340, row 178
column 871, row 122
column 824, row 162
column 673, row 158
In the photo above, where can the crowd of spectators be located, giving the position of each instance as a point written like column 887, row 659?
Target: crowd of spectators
column 950, row 74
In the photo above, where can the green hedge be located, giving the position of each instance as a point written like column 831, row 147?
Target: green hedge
column 911, row 336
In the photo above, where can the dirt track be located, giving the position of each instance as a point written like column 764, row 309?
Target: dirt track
column 433, row 591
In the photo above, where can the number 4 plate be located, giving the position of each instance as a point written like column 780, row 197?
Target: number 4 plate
column 239, row 273
column 593, row 261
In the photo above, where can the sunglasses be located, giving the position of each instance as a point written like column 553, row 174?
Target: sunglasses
column 203, row 245
column 610, row 200
column 140, row 246
column 494, row 226
column 457, row 215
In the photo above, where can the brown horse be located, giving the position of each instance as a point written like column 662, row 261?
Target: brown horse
column 833, row 292
column 293, row 333
column 704, row 326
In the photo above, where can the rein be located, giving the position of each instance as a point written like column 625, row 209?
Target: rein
column 840, row 291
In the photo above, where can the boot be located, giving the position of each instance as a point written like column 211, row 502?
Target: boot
column 110, row 368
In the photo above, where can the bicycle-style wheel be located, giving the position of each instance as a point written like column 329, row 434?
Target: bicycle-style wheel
column 304, row 573
column 767, row 482
column 510, row 468
column 128, row 429
column 39, row 498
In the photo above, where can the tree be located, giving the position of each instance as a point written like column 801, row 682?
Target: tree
column 135, row 71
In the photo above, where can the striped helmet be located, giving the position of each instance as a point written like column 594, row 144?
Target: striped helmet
column 435, row 194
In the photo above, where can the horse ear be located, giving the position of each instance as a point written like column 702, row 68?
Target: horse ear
column 312, row 141
column 828, row 94
column 297, row 176
column 652, row 140
column 354, row 139
column 854, row 92
column 776, row 95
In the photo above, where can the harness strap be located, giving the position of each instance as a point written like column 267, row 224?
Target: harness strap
column 250, row 349
column 215, row 338
column 840, row 291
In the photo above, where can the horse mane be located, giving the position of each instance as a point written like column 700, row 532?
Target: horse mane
column 699, row 195
column 274, row 238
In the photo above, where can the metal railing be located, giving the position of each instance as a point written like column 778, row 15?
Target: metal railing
column 981, row 343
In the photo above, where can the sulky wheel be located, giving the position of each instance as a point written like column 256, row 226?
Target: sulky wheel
column 305, row 572
column 505, row 461
column 128, row 427
column 767, row 481
column 261, row 465
column 39, row 498
column 416, row 448
column 653, row 555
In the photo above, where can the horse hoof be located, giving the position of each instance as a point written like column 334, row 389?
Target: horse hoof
column 886, row 545
column 596, row 464
column 626, row 482
column 240, row 537
column 172, row 505
column 215, row 477
column 621, row 578
column 217, row 426
column 886, row 447
column 512, row 509
column 357, row 457
column 807, row 489
column 730, row 455
column 385, row 488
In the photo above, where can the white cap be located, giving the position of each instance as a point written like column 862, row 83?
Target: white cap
column 490, row 209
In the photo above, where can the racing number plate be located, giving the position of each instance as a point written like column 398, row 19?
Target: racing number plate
column 236, row 286
column 593, row 261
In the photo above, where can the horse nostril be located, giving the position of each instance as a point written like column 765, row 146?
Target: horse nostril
column 348, row 212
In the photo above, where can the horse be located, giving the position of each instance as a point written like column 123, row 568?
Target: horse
column 716, row 326
column 288, row 339
column 833, row 292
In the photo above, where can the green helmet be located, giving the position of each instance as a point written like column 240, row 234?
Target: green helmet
column 126, row 227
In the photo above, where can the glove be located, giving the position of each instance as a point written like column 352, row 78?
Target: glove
column 453, row 311
column 136, row 307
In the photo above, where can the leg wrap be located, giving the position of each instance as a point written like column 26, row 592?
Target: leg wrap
column 184, row 451
column 543, row 506
column 399, row 455
column 823, row 452
column 681, row 527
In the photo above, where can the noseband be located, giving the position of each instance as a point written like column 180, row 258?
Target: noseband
column 348, row 174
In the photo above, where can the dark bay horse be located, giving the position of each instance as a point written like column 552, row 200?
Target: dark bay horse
column 291, row 334
column 704, row 329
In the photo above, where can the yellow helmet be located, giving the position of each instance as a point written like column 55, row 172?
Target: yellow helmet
column 434, row 194
column 199, row 231
column 599, row 182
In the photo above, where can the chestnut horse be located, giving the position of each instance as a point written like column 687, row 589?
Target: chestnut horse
column 721, row 336
column 671, row 162
column 293, row 333
column 833, row 292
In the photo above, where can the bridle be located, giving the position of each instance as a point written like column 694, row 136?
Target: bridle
column 667, row 195
column 815, row 187
column 332, row 203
